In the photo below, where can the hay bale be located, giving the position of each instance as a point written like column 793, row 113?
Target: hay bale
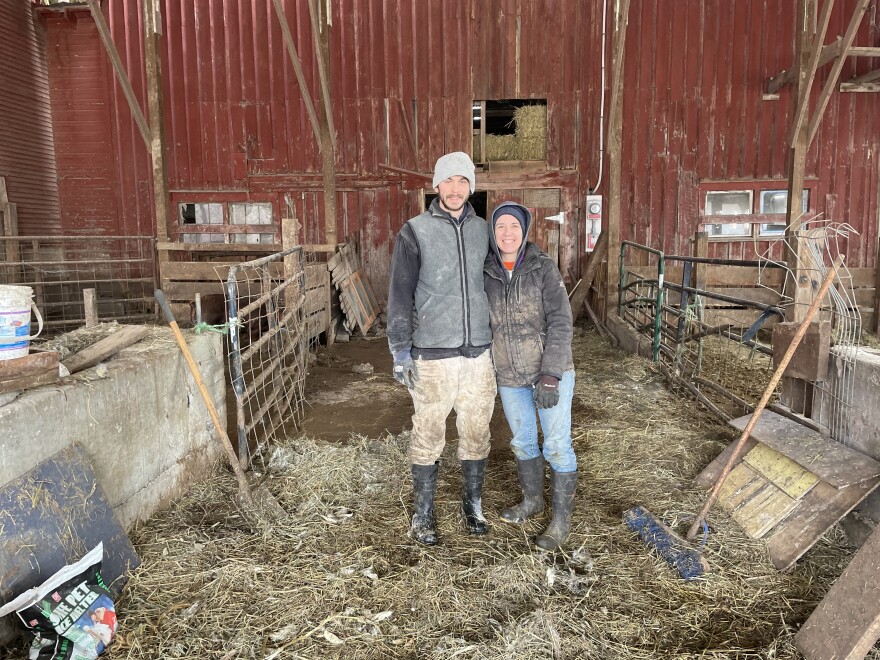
column 529, row 141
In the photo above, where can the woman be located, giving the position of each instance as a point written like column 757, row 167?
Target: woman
column 531, row 348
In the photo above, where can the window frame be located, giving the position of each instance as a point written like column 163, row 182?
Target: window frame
column 755, row 218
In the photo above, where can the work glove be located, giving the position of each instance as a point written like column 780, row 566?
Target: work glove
column 405, row 370
column 547, row 392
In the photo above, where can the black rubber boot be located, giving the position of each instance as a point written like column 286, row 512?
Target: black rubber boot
column 472, row 474
column 424, row 485
column 531, row 480
column 563, row 486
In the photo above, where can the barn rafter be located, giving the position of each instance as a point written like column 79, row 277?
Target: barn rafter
column 837, row 51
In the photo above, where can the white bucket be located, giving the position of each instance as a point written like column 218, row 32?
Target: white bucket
column 16, row 303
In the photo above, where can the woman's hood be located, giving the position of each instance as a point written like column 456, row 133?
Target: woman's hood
column 516, row 210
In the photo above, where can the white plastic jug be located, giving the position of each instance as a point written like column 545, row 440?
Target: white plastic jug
column 16, row 304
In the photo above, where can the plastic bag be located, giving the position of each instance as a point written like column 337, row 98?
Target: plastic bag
column 71, row 615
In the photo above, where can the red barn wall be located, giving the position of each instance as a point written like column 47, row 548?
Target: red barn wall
column 695, row 73
column 27, row 160
column 236, row 127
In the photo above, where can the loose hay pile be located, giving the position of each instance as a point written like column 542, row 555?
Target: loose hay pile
column 341, row 580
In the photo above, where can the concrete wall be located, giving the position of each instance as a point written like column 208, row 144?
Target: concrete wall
column 143, row 423
column 139, row 417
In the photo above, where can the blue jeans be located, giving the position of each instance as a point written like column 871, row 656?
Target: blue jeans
column 519, row 409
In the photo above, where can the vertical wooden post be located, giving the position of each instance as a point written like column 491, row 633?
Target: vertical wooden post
column 90, row 305
column 293, row 293
column 615, row 130
column 701, row 249
column 39, row 293
column 328, row 137
column 152, row 29
column 793, row 391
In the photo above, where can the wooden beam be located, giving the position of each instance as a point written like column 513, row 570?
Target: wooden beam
column 863, row 87
column 804, row 86
column 789, row 76
column 105, row 348
column 153, row 70
column 405, row 172
column 121, row 75
column 320, row 53
column 580, row 294
column 864, row 51
column 615, row 130
column 797, row 152
column 297, row 68
column 831, row 82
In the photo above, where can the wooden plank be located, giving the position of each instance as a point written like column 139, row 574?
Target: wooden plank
column 741, row 317
column 818, row 511
column 210, row 271
column 316, row 300
column 753, row 294
column 33, row 363
column 767, row 506
column 710, row 474
column 260, row 248
column 187, row 291
column 741, row 484
column 105, row 348
column 741, row 276
column 793, row 479
column 28, row 380
column 861, row 277
column 317, row 275
column 810, row 360
column 846, row 624
column 831, row 461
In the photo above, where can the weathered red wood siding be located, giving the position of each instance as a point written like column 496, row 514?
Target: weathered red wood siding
column 27, row 160
column 693, row 109
column 695, row 74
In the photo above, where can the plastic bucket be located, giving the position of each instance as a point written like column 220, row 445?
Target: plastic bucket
column 16, row 304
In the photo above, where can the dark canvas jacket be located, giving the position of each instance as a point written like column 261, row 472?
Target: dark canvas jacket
column 530, row 316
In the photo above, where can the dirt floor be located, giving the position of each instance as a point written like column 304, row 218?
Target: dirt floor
column 347, row 391
column 339, row 578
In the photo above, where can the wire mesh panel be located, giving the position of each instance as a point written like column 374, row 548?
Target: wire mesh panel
column 121, row 269
column 267, row 346
column 716, row 343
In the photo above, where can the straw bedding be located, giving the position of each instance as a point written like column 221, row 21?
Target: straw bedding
column 340, row 579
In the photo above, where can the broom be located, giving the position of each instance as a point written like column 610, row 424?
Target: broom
column 673, row 549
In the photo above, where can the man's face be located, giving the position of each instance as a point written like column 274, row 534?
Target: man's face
column 453, row 193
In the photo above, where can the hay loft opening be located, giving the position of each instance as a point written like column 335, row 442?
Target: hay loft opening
column 509, row 129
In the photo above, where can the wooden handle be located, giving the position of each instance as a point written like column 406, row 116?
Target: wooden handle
column 771, row 387
column 206, row 397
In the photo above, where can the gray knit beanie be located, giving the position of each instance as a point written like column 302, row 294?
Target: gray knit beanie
column 458, row 163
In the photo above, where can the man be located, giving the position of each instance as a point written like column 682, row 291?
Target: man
column 439, row 336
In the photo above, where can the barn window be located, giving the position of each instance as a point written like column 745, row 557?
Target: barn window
column 249, row 213
column 227, row 222
column 201, row 214
column 509, row 129
column 729, row 202
column 775, row 201
column 756, row 209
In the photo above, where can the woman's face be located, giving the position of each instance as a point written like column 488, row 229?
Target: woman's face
column 508, row 236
